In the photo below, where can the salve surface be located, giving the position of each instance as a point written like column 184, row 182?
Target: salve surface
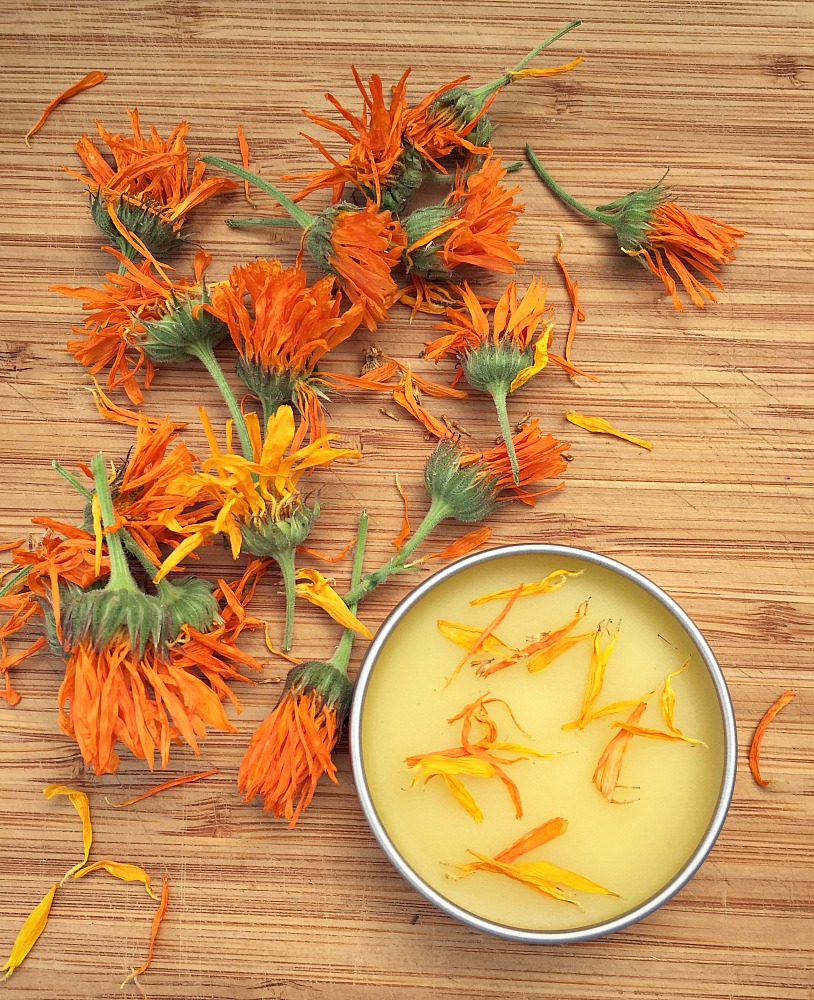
column 633, row 848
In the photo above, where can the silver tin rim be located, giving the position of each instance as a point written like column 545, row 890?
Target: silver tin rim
column 730, row 749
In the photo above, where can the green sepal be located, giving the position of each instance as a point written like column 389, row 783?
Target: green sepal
column 404, row 180
column 464, row 107
column 188, row 600
column 493, row 367
column 424, row 260
column 176, row 335
column 323, row 678
column 632, row 215
column 272, row 387
column 269, row 538
column 317, row 238
column 97, row 615
column 469, row 495
column 161, row 238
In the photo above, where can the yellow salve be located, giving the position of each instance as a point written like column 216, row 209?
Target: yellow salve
column 670, row 789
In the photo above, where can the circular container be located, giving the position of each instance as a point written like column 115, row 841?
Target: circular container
column 724, row 704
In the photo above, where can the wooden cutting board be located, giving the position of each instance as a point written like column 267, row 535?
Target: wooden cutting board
column 719, row 514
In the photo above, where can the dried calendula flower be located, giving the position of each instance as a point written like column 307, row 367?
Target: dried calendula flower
column 653, row 228
column 542, row 876
column 598, row 425
column 760, row 732
column 29, row 933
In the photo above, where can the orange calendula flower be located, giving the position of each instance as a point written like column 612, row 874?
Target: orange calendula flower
column 760, row 732
column 598, row 425
column 661, row 234
column 282, row 328
column 92, row 79
column 141, row 201
column 474, row 757
column 378, row 163
column 471, row 227
column 502, row 356
column 542, row 876
column 291, row 750
column 453, row 120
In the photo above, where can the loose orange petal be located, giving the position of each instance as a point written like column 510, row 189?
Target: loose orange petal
column 401, row 537
column 577, row 315
column 461, row 546
column 655, row 734
column 159, row 916
column 122, row 415
column 484, row 635
column 598, row 425
column 552, row 582
column 609, row 766
column 80, row 802
column 540, row 835
column 328, row 559
column 244, row 159
column 93, row 79
column 118, row 869
column 542, row 652
column 185, row 779
column 762, row 726
column 29, row 933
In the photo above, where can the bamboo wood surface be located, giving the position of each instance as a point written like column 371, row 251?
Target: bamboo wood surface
column 719, row 514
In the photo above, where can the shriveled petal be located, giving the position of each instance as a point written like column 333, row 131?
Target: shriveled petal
column 551, row 582
column 314, row 587
column 598, row 425
column 120, row 870
column 81, row 803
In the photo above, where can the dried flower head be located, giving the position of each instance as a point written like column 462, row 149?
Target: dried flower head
column 141, row 201
column 663, row 235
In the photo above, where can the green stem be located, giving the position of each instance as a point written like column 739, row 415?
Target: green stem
column 498, row 394
column 486, row 89
column 549, row 181
column 9, row 585
column 262, row 221
column 285, row 560
column 437, row 512
column 120, row 576
column 300, row 216
column 341, row 657
column 204, row 353
column 72, row 479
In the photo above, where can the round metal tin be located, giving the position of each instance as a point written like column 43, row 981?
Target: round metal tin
column 727, row 782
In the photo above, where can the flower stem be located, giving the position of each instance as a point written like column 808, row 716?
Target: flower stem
column 550, row 183
column 300, row 216
column 439, row 509
column 498, row 394
column 69, row 477
column 262, row 221
column 285, row 560
column 486, row 89
column 204, row 353
column 341, row 657
column 120, row 576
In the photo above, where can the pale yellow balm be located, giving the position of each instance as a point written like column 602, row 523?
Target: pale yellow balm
column 667, row 791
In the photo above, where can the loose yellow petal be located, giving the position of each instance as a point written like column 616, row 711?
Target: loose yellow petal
column 120, row 870
column 596, row 677
column 561, row 876
column 80, row 802
column 465, row 635
column 513, row 871
column 655, row 734
column 33, row 926
column 598, row 425
column 463, row 796
column 314, row 587
column 552, row 582
column 667, row 700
